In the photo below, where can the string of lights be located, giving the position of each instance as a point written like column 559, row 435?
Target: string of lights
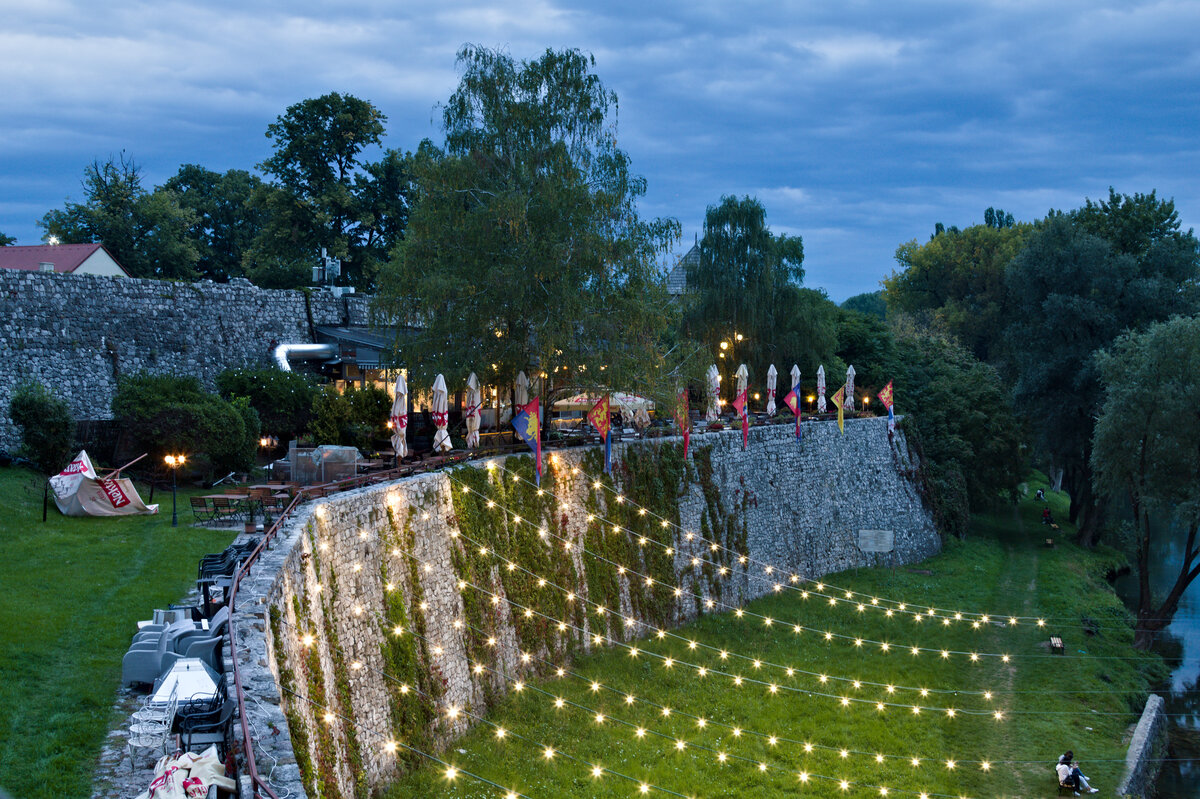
column 391, row 745
column 822, row 589
column 642, row 732
column 739, row 611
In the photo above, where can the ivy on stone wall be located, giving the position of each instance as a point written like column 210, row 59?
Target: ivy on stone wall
column 295, row 719
column 341, row 682
column 726, row 527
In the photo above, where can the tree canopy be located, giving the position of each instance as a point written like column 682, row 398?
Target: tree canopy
column 743, row 288
column 1146, row 450
column 147, row 232
column 525, row 249
column 7, row 240
column 1072, row 294
column 225, row 217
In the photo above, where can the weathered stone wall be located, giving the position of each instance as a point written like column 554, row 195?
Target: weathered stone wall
column 77, row 333
column 800, row 506
column 1147, row 749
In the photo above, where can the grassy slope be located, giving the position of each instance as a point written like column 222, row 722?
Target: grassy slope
column 1001, row 567
column 70, row 592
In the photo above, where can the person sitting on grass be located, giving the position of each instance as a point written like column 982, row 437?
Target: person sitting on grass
column 1070, row 775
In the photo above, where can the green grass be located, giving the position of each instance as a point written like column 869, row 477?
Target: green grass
column 1051, row 703
column 71, row 590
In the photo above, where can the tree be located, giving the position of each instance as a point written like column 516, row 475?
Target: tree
column 1072, row 294
column 226, row 216
column 524, row 248
column 956, row 282
column 283, row 400
column 1146, row 451
column 959, row 415
column 737, row 291
column 147, row 232
column 47, row 428
column 327, row 195
column 869, row 303
column 7, row 240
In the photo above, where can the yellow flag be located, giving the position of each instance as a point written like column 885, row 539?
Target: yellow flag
column 839, row 399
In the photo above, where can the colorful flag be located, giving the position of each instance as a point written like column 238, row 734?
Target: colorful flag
column 681, row 418
column 527, row 425
column 838, row 400
column 794, row 403
column 739, row 405
column 600, row 417
column 885, row 396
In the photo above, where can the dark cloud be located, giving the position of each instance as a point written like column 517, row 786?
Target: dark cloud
column 859, row 124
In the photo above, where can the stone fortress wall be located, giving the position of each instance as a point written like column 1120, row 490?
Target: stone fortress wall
column 77, row 333
column 798, row 506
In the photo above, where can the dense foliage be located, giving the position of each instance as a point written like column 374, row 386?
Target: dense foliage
column 47, row 428
column 1146, row 451
column 283, row 400
column 167, row 414
column 525, row 249
column 355, row 417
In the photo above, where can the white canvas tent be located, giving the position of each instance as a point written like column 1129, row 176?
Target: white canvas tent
column 617, row 400
column 79, row 491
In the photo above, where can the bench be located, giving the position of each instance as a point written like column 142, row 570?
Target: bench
column 1056, row 645
column 1064, row 789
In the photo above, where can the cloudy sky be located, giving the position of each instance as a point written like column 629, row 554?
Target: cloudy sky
column 858, row 124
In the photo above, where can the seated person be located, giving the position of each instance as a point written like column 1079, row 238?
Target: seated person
column 1070, row 775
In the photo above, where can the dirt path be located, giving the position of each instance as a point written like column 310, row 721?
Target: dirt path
column 1019, row 579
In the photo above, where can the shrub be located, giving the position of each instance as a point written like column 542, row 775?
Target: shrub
column 175, row 414
column 47, row 429
column 283, row 400
column 352, row 418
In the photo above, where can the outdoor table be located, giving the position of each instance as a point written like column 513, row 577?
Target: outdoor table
column 242, row 500
column 195, row 678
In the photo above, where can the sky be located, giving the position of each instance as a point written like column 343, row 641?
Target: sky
column 859, row 125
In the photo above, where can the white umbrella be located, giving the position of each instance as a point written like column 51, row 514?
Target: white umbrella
column 474, row 404
column 743, row 378
column 772, row 376
column 714, row 394
column 849, row 389
column 821, row 389
column 439, row 409
column 399, row 418
column 521, row 395
column 796, row 381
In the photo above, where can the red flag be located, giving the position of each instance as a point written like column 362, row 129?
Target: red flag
column 792, row 400
column 600, row 417
column 885, row 396
column 739, row 404
column 681, row 418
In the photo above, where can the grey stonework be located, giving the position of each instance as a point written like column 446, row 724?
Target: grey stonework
column 1147, row 748
column 803, row 506
column 77, row 333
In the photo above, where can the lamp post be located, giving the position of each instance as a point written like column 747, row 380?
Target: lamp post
column 174, row 462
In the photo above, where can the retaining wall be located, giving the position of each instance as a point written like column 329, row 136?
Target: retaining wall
column 797, row 506
column 1147, row 748
column 77, row 333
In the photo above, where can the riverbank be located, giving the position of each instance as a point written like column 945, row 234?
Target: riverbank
column 824, row 718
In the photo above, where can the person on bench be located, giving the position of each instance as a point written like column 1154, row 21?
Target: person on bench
column 1070, row 775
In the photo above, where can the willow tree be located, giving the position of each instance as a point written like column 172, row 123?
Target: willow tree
column 1146, row 453
column 524, row 248
column 742, row 292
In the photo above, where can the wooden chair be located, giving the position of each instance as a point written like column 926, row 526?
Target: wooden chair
column 201, row 511
column 226, row 511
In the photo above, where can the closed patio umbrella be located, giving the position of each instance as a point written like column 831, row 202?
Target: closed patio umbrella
column 772, row 376
column 439, row 409
column 474, row 404
column 399, row 418
column 849, row 389
column 821, row 389
column 521, row 395
column 713, row 379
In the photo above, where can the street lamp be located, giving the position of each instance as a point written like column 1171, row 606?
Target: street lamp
column 173, row 463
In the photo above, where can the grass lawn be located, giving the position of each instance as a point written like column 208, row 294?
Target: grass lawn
column 72, row 589
column 1050, row 703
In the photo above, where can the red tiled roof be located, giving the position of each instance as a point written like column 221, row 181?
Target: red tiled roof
column 65, row 257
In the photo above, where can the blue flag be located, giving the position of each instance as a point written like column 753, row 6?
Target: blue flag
column 527, row 423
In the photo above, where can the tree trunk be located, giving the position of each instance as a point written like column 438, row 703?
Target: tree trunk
column 1151, row 620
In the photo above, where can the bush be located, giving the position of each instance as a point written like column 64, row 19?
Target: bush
column 47, row 429
column 353, row 418
column 175, row 414
column 283, row 400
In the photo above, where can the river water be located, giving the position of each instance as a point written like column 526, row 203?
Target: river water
column 1177, row 780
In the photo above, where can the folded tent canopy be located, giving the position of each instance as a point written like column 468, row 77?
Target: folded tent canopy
column 79, row 491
